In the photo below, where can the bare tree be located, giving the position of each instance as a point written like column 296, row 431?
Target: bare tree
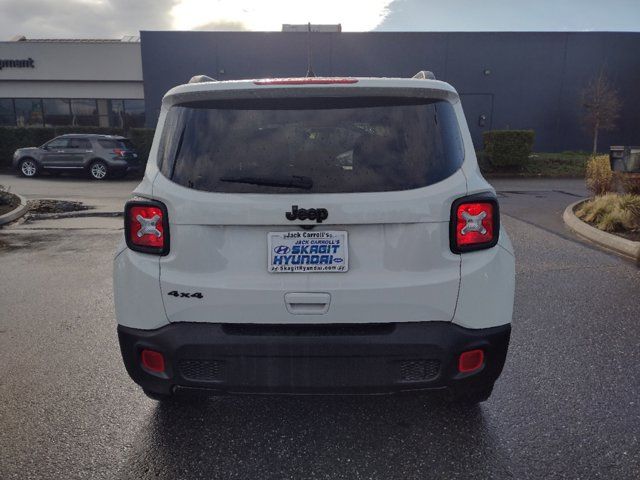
column 602, row 106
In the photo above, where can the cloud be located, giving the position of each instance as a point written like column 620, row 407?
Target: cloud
column 222, row 26
column 115, row 18
column 354, row 15
column 83, row 18
column 507, row 15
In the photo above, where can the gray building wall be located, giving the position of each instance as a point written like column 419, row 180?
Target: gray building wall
column 72, row 69
column 506, row 80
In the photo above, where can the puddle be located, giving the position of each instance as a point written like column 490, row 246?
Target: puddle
column 17, row 242
column 55, row 206
column 536, row 193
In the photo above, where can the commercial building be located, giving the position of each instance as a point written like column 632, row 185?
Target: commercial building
column 53, row 82
column 519, row 80
column 523, row 80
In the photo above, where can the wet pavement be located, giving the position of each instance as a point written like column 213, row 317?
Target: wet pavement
column 566, row 406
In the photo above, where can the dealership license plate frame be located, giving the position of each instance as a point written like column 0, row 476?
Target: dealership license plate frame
column 338, row 263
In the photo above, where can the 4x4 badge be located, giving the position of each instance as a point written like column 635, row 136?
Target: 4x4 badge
column 317, row 214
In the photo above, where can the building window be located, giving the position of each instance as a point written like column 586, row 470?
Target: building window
column 134, row 113
column 116, row 113
column 7, row 114
column 54, row 112
column 57, row 111
column 84, row 112
column 103, row 112
column 28, row 112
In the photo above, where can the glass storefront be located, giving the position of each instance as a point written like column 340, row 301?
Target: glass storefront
column 84, row 112
column 134, row 113
column 7, row 115
column 50, row 112
column 116, row 113
column 56, row 112
column 28, row 112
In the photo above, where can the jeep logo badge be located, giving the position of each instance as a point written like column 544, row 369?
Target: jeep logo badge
column 317, row 214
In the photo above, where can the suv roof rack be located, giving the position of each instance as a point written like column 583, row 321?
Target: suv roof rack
column 201, row 79
column 89, row 134
column 425, row 75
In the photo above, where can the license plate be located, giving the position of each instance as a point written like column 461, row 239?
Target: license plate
column 308, row 251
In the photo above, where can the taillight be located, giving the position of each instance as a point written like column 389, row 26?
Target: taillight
column 306, row 81
column 146, row 227
column 120, row 152
column 475, row 223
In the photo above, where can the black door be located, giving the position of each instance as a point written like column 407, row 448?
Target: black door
column 478, row 108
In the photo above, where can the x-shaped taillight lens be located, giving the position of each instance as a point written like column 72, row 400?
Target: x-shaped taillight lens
column 475, row 224
column 146, row 227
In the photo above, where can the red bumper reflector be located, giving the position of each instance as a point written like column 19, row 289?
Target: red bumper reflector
column 152, row 360
column 470, row 361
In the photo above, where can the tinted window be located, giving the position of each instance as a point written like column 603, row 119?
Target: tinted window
column 28, row 111
column 57, row 111
column 79, row 143
column 134, row 113
column 58, row 143
column 84, row 112
column 313, row 145
column 7, row 116
column 113, row 143
column 116, row 113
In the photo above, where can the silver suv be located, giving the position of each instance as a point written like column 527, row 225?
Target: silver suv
column 101, row 156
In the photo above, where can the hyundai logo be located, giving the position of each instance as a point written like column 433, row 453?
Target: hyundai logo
column 281, row 249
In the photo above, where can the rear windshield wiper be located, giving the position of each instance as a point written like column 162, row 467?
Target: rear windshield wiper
column 294, row 181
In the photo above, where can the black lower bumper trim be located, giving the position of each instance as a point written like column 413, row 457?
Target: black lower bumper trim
column 313, row 359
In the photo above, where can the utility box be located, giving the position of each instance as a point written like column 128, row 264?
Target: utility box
column 624, row 159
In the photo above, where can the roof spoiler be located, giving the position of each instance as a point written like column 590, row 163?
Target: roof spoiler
column 424, row 75
column 201, row 79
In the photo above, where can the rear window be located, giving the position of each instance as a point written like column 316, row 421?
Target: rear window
column 311, row 145
column 113, row 143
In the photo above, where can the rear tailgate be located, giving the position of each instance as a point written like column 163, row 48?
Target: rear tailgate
column 400, row 265
column 388, row 205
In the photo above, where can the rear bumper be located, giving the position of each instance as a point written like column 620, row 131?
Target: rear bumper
column 135, row 167
column 124, row 165
column 313, row 359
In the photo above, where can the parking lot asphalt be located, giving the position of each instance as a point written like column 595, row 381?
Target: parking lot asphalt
column 107, row 195
column 566, row 406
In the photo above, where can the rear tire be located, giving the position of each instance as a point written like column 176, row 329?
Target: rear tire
column 29, row 168
column 471, row 397
column 98, row 170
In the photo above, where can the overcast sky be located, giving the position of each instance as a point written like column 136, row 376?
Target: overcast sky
column 115, row 18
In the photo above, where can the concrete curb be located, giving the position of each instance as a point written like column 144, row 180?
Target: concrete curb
column 16, row 213
column 614, row 243
column 77, row 214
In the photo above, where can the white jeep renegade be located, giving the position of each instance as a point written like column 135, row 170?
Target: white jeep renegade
column 314, row 235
